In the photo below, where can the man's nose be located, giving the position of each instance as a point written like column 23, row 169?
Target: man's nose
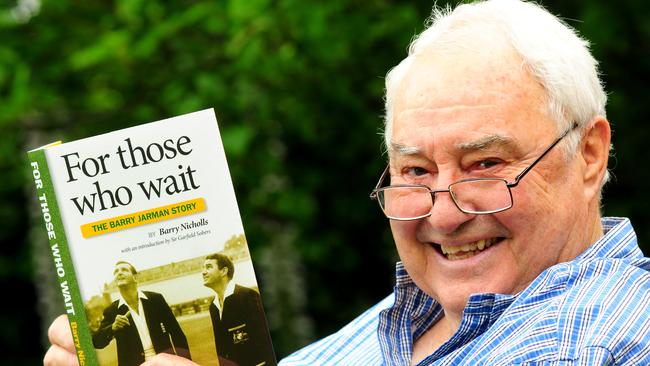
column 445, row 216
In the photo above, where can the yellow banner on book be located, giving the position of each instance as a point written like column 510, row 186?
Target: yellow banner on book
column 143, row 217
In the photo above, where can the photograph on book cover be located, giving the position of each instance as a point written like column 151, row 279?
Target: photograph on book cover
column 144, row 210
column 183, row 289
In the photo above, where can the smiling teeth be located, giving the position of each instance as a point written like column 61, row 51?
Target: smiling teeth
column 453, row 252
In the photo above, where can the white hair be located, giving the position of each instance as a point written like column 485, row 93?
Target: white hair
column 551, row 51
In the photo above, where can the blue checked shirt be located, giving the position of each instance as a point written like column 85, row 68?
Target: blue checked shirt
column 594, row 310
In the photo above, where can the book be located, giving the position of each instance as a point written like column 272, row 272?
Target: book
column 149, row 247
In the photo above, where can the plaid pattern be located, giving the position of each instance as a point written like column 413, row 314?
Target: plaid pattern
column 594, row 310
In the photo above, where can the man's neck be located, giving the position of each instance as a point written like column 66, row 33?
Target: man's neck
column 219, row 289
column 588, row 232
column 130, row 295
column 597, row 230
column 432, row 339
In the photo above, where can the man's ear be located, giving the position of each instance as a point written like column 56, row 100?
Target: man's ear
column 594, row 150
column 223, row 270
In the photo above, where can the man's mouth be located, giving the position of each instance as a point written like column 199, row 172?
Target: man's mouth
column 457, row 252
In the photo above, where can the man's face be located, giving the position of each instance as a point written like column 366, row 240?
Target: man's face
column 123, row 275
column 212, row 274
column 456, row 118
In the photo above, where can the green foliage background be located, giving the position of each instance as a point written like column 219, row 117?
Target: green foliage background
column 297, row 86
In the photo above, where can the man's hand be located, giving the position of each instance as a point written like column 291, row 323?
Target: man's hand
column 165, row 359
column 120, row 322
column 61, row 352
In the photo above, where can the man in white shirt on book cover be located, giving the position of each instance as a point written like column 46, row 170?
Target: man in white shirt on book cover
column 141, row 322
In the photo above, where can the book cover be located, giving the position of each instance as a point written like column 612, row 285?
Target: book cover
column 149, row 247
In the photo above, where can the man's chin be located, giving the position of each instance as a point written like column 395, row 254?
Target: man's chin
column 124, row 283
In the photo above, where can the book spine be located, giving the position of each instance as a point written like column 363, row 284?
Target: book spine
column 58, row 242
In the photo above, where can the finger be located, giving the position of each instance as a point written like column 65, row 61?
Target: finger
column 59, row 333
column 123, row 318
column 57, row 356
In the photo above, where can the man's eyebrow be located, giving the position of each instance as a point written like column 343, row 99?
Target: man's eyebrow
column 484, row 143
column 487, row 142
column 402, row 149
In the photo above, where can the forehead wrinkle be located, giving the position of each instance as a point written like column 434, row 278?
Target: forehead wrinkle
column 446, row 107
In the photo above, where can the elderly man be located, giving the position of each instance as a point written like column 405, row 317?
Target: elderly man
column 498, row 146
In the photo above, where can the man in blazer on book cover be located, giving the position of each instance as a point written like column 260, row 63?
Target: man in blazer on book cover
column 238, row 322
column 141, row 322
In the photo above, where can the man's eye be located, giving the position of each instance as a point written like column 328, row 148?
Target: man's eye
column 486, row 164
column 416, row 171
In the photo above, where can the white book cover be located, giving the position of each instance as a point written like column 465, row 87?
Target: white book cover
column 137, row 212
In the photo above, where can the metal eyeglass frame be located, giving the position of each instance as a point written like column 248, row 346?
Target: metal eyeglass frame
column 518, row 178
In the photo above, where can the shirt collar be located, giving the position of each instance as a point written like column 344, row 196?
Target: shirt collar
column 619, row 241
column 414, row 312
column 230, row 289
column 121, row 300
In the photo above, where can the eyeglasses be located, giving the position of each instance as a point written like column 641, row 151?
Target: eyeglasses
column 477, row 196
